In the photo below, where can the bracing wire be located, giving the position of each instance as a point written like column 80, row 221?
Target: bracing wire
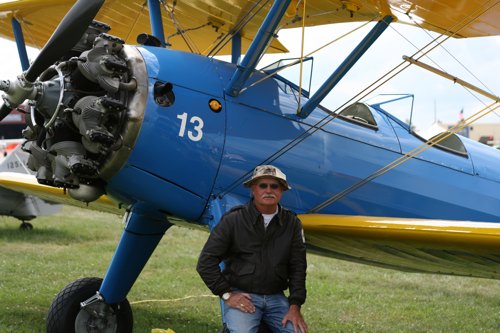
column 317, row 126
column 171, row 12
column 486, row 7
column 413, row 153
column 293, row 63
column 135, row 21
column 302, row 52
column 363, row 93
column 249, row 15
column 488, row 109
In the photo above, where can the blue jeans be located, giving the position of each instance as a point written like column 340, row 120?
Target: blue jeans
column 268, row 308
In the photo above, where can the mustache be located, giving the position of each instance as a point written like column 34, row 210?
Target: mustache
column 272, row 196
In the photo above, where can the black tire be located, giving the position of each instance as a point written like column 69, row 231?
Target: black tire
column 66, row 307
column 26, row 226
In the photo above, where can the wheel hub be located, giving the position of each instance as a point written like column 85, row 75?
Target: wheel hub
column 97, row 317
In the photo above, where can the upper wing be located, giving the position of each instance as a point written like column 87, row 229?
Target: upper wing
column 28, row 185
column 432, row 246
column 206, row 21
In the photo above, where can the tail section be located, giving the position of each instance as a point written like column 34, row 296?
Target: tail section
column 12, row 157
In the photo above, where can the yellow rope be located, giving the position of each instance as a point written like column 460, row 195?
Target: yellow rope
column 171, row 300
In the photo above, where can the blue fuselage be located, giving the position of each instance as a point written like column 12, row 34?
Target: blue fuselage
column 187, row 153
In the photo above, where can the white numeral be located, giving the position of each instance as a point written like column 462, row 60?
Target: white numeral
column 197, row 133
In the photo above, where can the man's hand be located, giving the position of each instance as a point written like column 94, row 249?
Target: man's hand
column 241, row 301
column 296, row 318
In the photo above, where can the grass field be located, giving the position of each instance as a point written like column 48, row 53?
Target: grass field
column 342, row 296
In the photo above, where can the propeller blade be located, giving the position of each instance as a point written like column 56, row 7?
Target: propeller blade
column 4, row 110
column 66, row 35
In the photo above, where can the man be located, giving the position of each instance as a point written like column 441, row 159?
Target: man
column 262, row 247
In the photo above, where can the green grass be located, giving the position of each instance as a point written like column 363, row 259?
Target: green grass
column 342, row 296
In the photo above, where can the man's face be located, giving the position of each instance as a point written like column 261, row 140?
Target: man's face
column 267, row 193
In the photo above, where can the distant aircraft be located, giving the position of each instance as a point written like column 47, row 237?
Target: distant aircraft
column 22, row 206
column 10, row 131
column 170, row 136
column 9, row 145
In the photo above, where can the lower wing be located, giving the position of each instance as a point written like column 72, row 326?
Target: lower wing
column 432, row 246
column 28, row 184
column 416, row 245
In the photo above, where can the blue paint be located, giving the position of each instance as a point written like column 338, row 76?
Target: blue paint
column 21, row 45
column 351, row 59
column 236, row 48
column 216, row 209
column 169, row 173
column 167, row 167
column 156, row 20
column 133, row 184
column 258, row 46
column 180, row 175
column 145, row 228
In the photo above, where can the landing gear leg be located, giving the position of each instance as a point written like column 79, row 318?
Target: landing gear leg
column 100, row 306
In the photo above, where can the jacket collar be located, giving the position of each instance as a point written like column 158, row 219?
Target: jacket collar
column 255, row 215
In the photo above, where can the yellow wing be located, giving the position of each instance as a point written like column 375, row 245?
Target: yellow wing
column 28, row 184
column 432, row 246
column 207, row 20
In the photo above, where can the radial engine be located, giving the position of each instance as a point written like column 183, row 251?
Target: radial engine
column 84, row 113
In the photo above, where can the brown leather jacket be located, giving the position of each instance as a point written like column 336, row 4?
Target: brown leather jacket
column 256, row 260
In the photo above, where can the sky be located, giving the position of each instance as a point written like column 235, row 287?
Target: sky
column 435, row 98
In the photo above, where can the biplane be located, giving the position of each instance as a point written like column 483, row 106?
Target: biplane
column 166, row 133
column 13, row 159
column 23, row 207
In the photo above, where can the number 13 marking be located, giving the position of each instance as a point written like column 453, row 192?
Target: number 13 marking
column 197, row 133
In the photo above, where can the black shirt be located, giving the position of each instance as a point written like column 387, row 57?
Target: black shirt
column 257, row 260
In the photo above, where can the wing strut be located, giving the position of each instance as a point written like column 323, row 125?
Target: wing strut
column 236, row 48
column 257, row 48
column 351, row 59
column 156, row 21
column 21, row 45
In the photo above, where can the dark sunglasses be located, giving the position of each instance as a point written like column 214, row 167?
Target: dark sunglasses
column 274, row 186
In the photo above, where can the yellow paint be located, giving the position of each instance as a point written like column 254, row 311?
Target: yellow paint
column 436, row 246
column 39, row 18
column 28, row 184
column 446, row 232
column 215, row 105
column 352, row 6
column 295, row 8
